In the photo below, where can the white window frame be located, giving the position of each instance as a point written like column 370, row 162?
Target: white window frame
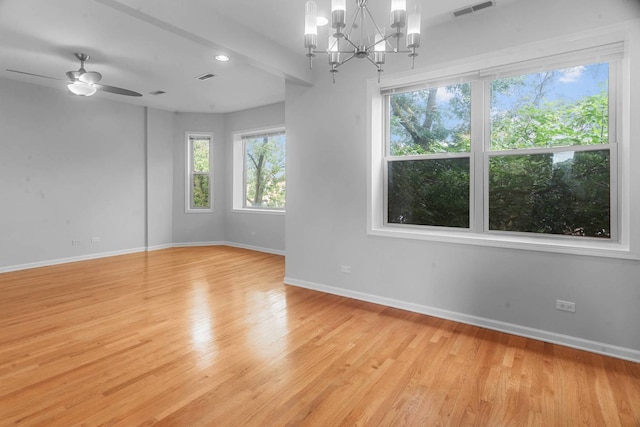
column 238, row 174
column 189, row 208
column 556, row 52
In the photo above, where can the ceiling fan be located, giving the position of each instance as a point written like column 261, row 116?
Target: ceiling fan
column 83, row 82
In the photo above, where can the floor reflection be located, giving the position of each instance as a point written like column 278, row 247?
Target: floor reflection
column 267, row 324
column 202, row 336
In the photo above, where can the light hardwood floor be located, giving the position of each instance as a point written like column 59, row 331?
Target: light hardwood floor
column 211, row 336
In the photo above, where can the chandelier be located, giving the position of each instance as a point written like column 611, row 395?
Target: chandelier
column 363, row 38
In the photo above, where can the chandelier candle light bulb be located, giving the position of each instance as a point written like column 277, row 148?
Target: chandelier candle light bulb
column 310, row 25
column 338, row 11
column 398, row 14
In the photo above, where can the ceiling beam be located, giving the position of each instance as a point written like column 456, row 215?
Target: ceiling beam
column 218, row 33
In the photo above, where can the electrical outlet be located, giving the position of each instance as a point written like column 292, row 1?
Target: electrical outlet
column 75, row 242
column 566, row 306
column 345, row 269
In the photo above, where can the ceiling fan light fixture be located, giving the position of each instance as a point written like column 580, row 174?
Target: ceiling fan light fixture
column 90, row 77
column 81, row 88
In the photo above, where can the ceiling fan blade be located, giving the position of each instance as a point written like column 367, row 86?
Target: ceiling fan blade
column 32, row 74
column 116, row 90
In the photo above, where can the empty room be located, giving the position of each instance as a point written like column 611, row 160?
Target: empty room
column 321, row 213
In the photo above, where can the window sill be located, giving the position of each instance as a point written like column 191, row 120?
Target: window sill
column 587, row 247
column 260, row 211
column 198, row 211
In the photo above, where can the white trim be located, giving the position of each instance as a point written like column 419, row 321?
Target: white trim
column 188, row 172
column 197, row 244
column 159, row 247
column 260, row 211
column 48, row 263
column 483, row 322
column 255, row 248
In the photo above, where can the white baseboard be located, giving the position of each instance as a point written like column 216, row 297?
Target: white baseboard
column 510, row 328
column 255, row 248
column 159, row 247
column 196, row 244
column 87, row 257
column 47, row 263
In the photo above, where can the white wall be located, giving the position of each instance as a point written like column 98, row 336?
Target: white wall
column 513, row 290
column 71, row 168
column 245, row 228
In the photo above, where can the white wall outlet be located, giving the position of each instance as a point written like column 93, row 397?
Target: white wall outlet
column 75, row 242
column 345, row 269
column 566, row 305
column 95, row 240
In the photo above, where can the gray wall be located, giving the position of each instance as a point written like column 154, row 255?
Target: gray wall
column 200, row 227
column 74, row 168
column 159, row 178
column 71, row 168
column 505, row 289
column 252, row 229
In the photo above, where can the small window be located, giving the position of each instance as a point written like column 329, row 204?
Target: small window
column 259, row 170
column 199, row 176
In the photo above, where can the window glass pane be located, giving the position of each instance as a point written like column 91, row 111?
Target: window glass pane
column 429, row 192
column 265, row 178
column 436, row 120
column 200, row 150
column 554, row 108
column 557, row 193
column 200, row 191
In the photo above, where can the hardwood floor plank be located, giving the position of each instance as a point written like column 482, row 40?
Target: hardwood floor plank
column 210, row 336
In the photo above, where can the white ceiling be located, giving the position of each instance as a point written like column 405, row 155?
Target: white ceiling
column 150, row 45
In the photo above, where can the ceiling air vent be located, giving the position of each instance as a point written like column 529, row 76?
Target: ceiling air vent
column 473, row 8
column 157, row 92
column 205, row 76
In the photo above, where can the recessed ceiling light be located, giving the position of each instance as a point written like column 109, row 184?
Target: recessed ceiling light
column 222, row 58
column 321, row 21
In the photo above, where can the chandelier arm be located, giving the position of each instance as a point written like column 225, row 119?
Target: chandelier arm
column 373, row 62
column 348, row 39
column 346, row 60
column 353, row 21
column 385, row 42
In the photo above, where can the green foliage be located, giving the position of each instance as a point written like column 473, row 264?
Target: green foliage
column 531, row 193
column 265, row 171
column 429, row 192
column 200, row 183
column 200, row 191
column 554, row 124
column 556, row 193
column 423, row 124
column 200, row 150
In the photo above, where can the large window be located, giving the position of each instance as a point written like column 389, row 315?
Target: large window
column 527, row 152
column 259, row 170
column 199, row 177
